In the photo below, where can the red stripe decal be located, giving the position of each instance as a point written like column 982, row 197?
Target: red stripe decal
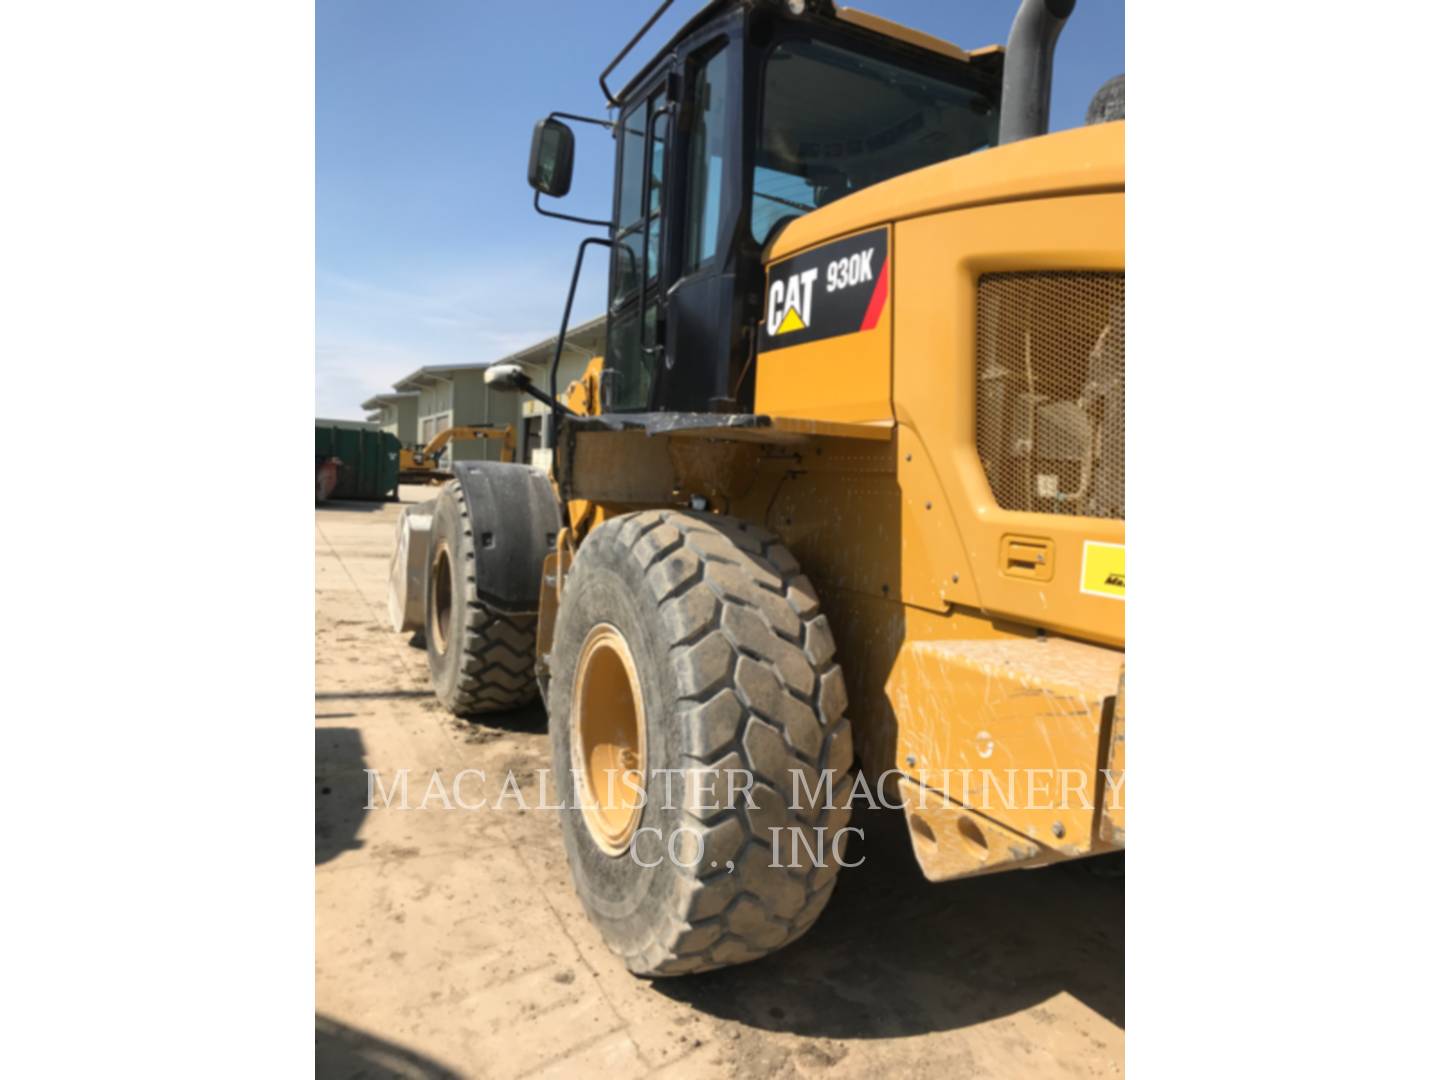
column 877, row 298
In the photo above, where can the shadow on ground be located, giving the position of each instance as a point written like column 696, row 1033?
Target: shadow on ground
column 345, row 1052
column 342, row 788
column 341, row 791
column 895, row 955
column 530, row 720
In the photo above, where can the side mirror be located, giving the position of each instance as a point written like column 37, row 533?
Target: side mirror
column 505, row 377
column 552, row 158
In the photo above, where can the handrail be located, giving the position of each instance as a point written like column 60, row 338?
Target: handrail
column 547, row 431
column 609, row 97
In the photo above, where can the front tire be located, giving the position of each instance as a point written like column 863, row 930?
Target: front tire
column 714, row 663
column 482, row 659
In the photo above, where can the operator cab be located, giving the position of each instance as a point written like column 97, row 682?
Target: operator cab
column 755, row 113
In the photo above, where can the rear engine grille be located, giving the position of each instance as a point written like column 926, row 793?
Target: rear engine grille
column 1050, row 393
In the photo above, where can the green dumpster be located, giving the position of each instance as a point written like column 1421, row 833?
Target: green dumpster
column 365, row 463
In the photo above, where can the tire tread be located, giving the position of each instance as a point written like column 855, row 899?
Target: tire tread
column 497, row 670
column 741, row 620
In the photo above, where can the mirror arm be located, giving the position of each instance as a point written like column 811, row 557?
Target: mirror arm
column 608, row 125
column 569, row 217
column 526, row 385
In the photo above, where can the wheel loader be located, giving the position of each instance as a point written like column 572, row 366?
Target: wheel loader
column 840, row 511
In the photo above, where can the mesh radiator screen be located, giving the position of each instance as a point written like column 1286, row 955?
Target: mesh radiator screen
column 1050, row 394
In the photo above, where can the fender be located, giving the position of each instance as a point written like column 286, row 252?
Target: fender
column 515, row 518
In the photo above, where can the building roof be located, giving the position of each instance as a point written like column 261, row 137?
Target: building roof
column 432, row 373
column 381, row 400
column 587, row 337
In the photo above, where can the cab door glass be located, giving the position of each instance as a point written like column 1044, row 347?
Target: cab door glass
column 657, row 187
column 637, row 252
column 625, row 277
column 707, row 163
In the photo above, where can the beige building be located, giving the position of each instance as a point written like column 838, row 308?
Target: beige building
column 445, row 396
column 455, row 394
column 397, row 414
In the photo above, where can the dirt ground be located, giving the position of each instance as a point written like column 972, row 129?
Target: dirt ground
column 450, row 942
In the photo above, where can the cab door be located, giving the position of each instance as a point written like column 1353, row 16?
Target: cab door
column 707, row 322
column 635, row 346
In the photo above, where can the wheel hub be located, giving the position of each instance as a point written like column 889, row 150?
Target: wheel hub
column 607, row 739
column 440, row 589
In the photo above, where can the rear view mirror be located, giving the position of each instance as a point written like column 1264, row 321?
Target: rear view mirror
column 552, row 158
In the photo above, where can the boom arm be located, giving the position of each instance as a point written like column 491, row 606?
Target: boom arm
column 465, row 433
column 428, row 457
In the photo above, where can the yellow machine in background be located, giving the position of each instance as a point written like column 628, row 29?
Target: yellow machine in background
column 419, row 466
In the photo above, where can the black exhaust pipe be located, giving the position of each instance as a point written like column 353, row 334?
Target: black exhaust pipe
column 1029, row 61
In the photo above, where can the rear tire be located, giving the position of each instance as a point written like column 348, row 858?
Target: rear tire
column 734, row 669
column 482, row 659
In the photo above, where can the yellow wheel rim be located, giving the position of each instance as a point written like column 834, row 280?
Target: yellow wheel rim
column 607, row 739
column 440, row 587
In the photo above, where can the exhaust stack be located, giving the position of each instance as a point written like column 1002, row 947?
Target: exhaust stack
column 1029, row 61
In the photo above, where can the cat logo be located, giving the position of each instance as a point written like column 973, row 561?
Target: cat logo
column 790, row 300
column 834, row 289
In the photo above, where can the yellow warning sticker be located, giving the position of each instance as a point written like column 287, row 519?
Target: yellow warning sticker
column 1102, row 570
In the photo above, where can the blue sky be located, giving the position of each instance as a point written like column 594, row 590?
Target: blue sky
column 427, row 249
